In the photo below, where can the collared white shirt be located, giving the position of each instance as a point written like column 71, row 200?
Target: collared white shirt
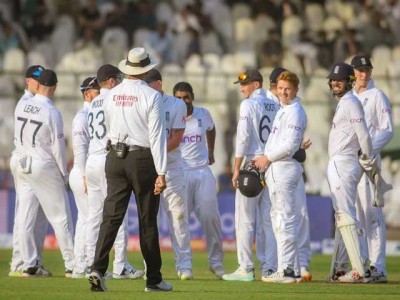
column 39, row 132
column 256, row 116
column 194, row 141
column 349, row 131
column 378, row 115
column 175, row 112
column 287, row 132
column 80, row 137
column 96, row 124
column 134, row 115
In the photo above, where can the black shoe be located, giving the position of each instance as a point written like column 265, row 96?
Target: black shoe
column 29, row 272
column 288, row 272
column 97, row 282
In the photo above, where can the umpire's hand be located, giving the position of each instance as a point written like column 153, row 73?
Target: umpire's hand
column 160, row 185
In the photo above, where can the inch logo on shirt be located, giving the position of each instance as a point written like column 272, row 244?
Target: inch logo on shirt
column 356, row 120
column 191, row 139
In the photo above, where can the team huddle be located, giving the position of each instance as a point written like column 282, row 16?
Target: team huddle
column 131, row 137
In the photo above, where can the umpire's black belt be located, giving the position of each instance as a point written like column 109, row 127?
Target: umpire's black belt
column 133, row 148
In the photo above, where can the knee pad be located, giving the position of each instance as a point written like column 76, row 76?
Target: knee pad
column 347, row 227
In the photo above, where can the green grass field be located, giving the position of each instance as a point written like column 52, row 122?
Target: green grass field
column 204, row 285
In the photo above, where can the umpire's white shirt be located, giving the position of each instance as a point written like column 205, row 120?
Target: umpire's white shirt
column 194, row 141
column 133, row 114
column 174, row 118
column 349, row 131
column 378, row 115
column 39, row 131
column 256, row 116
column 287, row 132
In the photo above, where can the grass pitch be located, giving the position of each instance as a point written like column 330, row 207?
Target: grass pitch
column 204, row 285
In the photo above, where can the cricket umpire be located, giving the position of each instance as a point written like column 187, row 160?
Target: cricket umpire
column 136, row 161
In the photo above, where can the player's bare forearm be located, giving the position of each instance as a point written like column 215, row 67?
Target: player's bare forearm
column 236, row 169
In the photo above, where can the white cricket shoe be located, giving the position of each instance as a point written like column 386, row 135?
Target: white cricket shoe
column 185, row 274
column 129, row 274
column 97, row 282
column 37, row 271
column 287, row 276
column 376, row 276
column 160, row 287
column 305, row 274
column 218, row 271
column 353, row 277
column 240, row 275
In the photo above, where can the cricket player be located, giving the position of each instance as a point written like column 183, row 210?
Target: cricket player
column 41, row 224
column 303, row 227
column 257, row 113
column 283, row 175
column 349, row 134
column 42, row 169
column 173, row 197
column 108, row 77
column 197, row 147
column 77, row 180
column 379, row 121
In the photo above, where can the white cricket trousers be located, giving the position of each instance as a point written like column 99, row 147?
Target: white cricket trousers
column 201, row 197
column 303, row 226
column 250, row 213
column 47, row 184
column 372, row 220
column 97, row 193
column 344, row 173
column 266, row 251
column 175, row 207
column 81, row 200
column 282, row 180
column 40, row 227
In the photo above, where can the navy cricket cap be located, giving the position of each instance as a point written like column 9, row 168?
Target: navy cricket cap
column 89, row 84
column 152, row 75
column 34, row 71
column 249, row 76
column 106, row 72
column 275, row 74
column 361, row 61
column 48, row 78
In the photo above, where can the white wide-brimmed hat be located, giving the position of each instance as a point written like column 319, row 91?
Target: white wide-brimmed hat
column 138, row 62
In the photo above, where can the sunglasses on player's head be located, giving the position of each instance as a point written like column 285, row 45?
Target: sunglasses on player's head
column 37, row 73
column 90, row 85
column 242, row 77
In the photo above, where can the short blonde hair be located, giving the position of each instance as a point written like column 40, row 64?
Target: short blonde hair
column 289, row 77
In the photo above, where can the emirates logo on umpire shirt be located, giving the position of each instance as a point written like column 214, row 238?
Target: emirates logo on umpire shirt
column 199, row 123
column 167, row 116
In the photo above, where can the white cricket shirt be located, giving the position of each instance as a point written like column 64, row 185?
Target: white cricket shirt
column 97, row 125
column 256, row 116
column 378, row 115
column 287, row 132
column 80, row 138
column 194, row 141
column 39, row 131
column 175, row 112
column 349, row 131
